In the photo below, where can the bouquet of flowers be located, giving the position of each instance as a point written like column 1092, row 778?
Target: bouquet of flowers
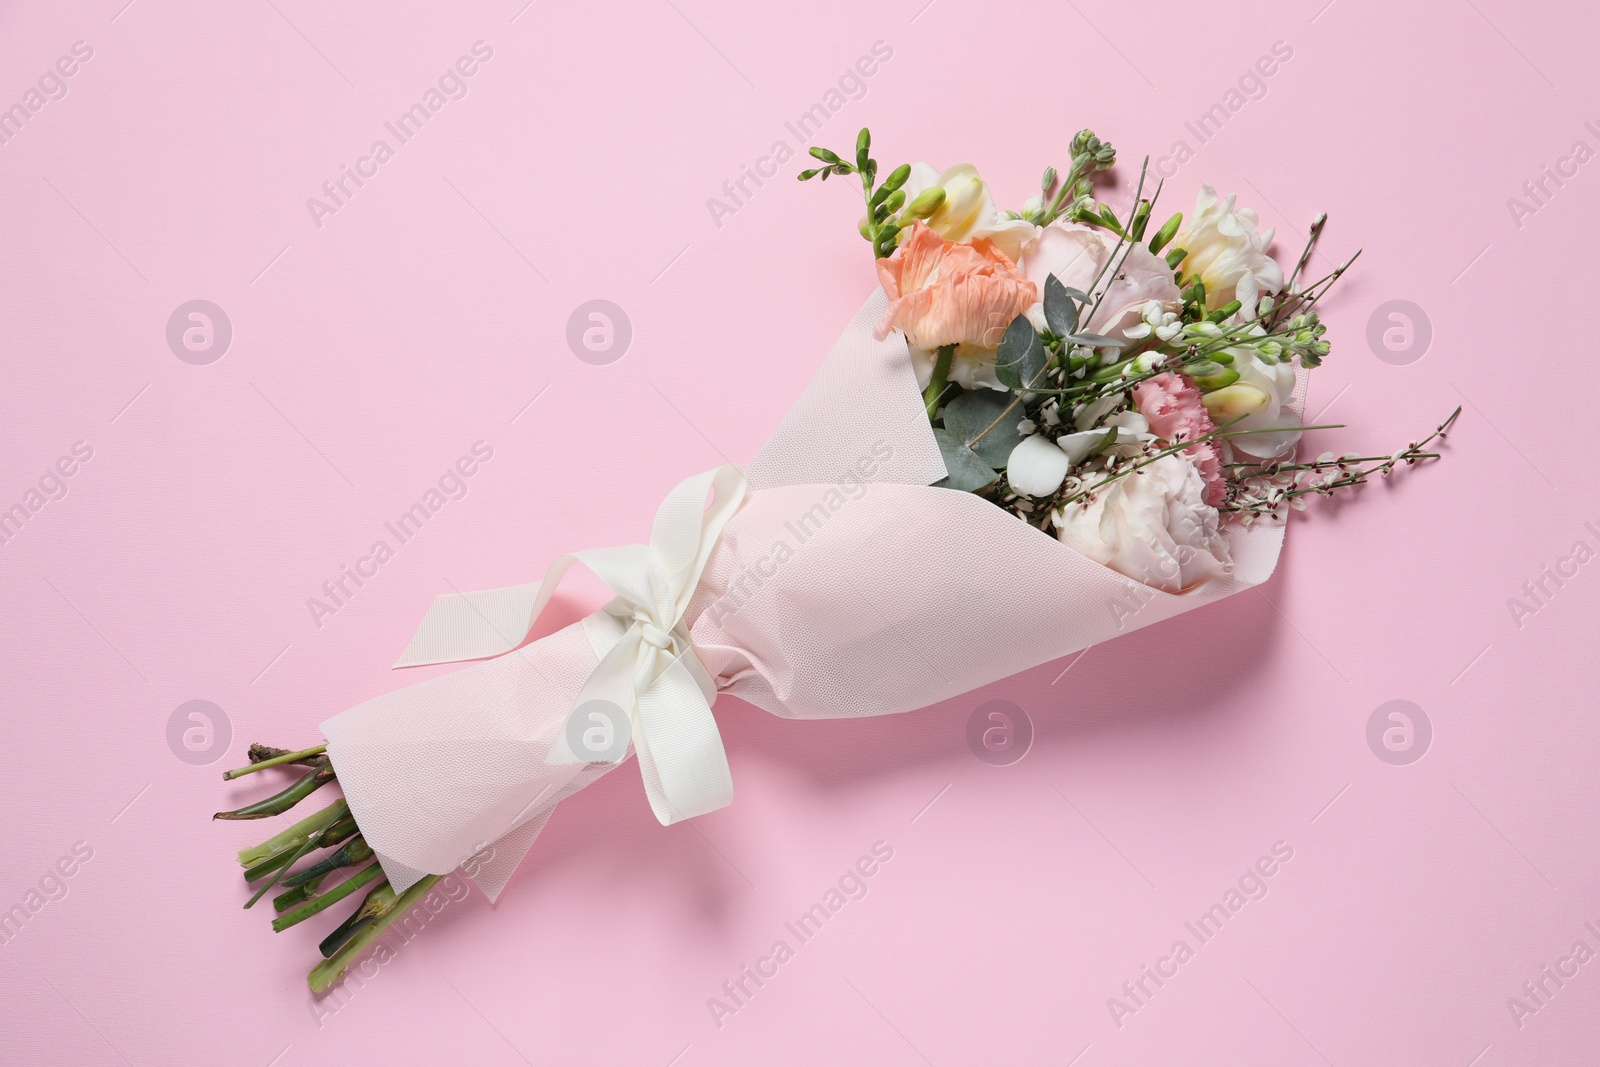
column 1049, row 427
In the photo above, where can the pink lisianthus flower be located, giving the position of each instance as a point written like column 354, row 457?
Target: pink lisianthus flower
column 1171, row 405
column 944, row 293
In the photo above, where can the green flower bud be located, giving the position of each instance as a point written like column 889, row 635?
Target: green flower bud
column 863, row 147
column 896, row 199
column 1048, row 181
column 1141, row 218
column 1168, row 231
column 824, row 155
column 926, row 203
column 807, row 175
column 1176, row 256
column 888, row 237
column 1225, row 310
column 897, row 177
column 1211, row 383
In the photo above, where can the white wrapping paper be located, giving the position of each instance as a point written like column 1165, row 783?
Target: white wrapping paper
column 843, row 585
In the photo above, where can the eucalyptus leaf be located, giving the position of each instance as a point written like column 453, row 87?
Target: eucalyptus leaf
column 1077, row 294
column 1059, row 310
column 964, row 470
column 971, row 415
column 1021, row 357
column 1095, row 340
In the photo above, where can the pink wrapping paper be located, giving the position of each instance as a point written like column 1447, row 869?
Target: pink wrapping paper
column 845, row 585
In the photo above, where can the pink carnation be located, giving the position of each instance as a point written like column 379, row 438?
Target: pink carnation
column 1171, row 405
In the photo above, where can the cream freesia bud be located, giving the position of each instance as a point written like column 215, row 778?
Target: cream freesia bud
column 964, row 195
column 1233, row 402
column 926, row 203
column 966, row 213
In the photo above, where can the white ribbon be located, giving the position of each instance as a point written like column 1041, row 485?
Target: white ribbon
column 650, row 671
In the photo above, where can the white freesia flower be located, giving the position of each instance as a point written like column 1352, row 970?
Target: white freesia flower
column 1036, row 467
column 1228, row 252
column 1262, row 396
column 1152, row 526
column 968, row 211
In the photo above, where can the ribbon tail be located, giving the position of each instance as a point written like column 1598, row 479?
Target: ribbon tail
column 489, row 622
column 681, row 758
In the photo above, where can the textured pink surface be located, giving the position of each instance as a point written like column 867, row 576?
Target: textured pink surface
column 370, row 352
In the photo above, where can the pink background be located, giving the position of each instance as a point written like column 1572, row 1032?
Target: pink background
column 425, row 315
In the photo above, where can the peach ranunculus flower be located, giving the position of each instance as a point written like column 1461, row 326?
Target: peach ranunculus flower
column 944, row 293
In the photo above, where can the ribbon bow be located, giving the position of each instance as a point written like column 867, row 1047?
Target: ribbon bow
column 650, row 687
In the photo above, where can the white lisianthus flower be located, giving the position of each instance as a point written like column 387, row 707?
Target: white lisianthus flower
column 968, row 211
column 1036, row 467
column 1228, row 252
column 972, row 367
column 1077, row 255
column 1153, row 526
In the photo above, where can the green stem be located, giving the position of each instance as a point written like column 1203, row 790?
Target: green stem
column 275, row 761
column 1305, row 257
column 941, row 375
column 355, row 851
column 294, row 858
column 379, row 902
column 298, row 895
column 295, row 836
column 332, row 896
column 329, row 971
column 1123, row 472
column 279, row 803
